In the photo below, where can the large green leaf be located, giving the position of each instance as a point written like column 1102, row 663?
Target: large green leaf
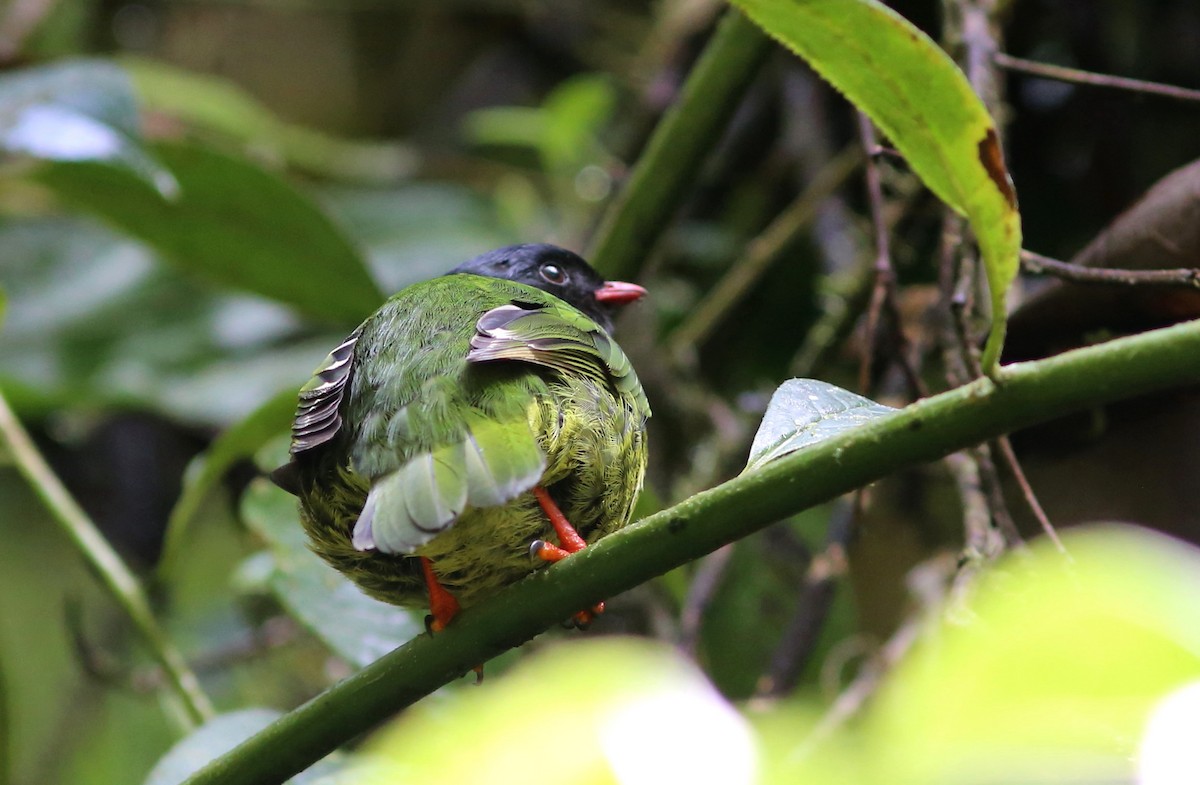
column 352, row 624
column 916, row 94
column 233, row 222
column 93, row 321
column 803, row 412
column 78, row 111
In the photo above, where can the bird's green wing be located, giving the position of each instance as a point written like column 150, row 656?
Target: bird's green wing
column 558, row 338
column 495, row 462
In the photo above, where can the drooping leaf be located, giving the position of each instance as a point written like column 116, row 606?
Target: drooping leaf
column 915, row 93
column 803, row 412
column 352, row 624
column 220, row 735
column 81, row 110
column 232, row 222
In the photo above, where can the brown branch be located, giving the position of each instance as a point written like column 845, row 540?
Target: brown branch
column 1004, row 445
column 883, row 293
column 1074, row 75
column 1036, row 264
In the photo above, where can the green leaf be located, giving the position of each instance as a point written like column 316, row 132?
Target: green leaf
column 803, row 412
column 915, row 93
column 78, row 111
column 237, row 443
column 358, row 628
column 233, row 222
column 1053, row 666
column 213, row 104
column 222, row 734
column 630, row 711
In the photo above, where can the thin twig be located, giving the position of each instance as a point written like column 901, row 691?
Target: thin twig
column 1036, row 264
column 113, row 573
column 885, row 276
column 1074, row 75
column 760, row 254
column 883, row 293
column 1004, row 444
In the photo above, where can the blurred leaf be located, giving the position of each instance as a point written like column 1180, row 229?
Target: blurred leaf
column 416, row 231
column 78, row 111
column 220, row 735
column 604, row 711
column 803, row 412
column 564, row 130
column 93, row 321
column 233, row 222
column 576, row 112
column 236, row 443
column 915, row 93
column 214, row 104
column 358, row 628
column 1055, row 671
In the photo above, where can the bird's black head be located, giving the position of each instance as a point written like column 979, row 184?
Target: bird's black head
column 559, row 272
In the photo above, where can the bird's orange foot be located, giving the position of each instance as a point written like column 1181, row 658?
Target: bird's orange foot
column 442, row 608
column 570, row 541
column 442, row 605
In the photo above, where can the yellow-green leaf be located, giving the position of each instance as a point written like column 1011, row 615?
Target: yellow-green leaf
column 916, row 94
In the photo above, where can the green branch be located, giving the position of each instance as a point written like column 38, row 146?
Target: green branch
column 1027, row 393
column 674, row 155
column 112, row 572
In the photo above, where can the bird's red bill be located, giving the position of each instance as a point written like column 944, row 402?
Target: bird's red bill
column 619, row 292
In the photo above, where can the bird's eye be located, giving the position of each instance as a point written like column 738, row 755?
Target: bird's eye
column 552, row 273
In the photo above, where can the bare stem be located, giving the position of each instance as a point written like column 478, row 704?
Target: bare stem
column 1035, row 263
column 1075, row 76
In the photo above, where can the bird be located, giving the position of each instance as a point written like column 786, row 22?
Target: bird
column 478, row 426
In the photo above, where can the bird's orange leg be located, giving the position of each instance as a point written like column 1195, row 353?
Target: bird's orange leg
column 442, row 605
column 570, row 542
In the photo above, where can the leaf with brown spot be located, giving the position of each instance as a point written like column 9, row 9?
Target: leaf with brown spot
column 915, row 93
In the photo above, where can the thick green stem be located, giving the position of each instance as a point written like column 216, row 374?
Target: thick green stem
column 1025, row 394
column 673, row 156
column 112, row 572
